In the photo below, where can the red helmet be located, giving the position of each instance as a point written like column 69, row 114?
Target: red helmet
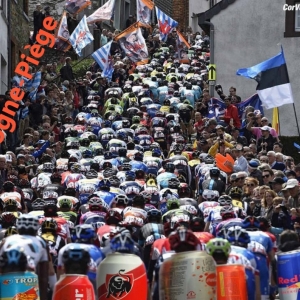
column 183, row 236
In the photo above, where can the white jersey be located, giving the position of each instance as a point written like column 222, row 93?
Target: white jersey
column 34, row 247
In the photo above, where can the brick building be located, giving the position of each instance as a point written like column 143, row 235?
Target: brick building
column 176, row 9
column 19, row 31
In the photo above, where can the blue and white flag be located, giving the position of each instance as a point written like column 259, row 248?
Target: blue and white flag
column 32, row 85
column 103, row 58
column 81, row 36
column 165, row 23
column 216, row 107
column 274, row 88
column 105, row 12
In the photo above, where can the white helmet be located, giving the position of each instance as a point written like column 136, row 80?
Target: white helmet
column 210, row 195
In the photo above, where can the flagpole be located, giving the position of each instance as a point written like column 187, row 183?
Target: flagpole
column 296, row 119
column 278, row 121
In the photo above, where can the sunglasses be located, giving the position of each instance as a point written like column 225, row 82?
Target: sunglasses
column 264, row 120
column 266, row 176
column 250, row 184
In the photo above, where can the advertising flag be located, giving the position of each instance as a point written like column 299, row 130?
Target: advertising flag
column 81, row 36
column 105, row 12
column 182, row 44
column 76, row 6
column 133, row 43
column 274, row 88
column 143, row 13
column 165, row 23
column 63, row 31
column 103, row 58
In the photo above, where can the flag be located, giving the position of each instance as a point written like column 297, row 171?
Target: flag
column 103, row 58
column 133, row 43
column 76, row 6
column 216, row 107
column 33, row 84
column 105, row 12
column 62, row 45
column 181, row 43
column 165, row 23
column 63, row 31
column 143, row 10
column 81, row 36
column 275, row 120
column 274, row 88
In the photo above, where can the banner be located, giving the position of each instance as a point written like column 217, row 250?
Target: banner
column 217, row 106
column 143, row 13
column 105, row 12
column 103, row 58
column 63, row 31
column 133, row 44
column 181, row 45
column 81, row 36
column 165, row 23
column 76, row 6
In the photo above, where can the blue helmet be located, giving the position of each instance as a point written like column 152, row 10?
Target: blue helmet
column 76, row 253
column 235, row 235
column 83, row 233
column 14, row 256
column 251, row 223
column 122, row 242
column 104, row 183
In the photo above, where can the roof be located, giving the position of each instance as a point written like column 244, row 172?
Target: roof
column 213, row 11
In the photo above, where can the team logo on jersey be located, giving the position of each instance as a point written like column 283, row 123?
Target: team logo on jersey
column 7, row 281
column 119, row 285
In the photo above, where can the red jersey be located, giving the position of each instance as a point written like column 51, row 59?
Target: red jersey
column 159, row 247
column 203, row 237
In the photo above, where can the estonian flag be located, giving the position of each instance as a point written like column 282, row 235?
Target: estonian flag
column 274, row 88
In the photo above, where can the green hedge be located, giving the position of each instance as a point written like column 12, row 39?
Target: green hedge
column 288, row 147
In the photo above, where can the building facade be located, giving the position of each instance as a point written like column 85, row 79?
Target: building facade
column 4, row 58
column 247, row 33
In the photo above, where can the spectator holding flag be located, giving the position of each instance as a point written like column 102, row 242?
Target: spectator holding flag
column 231, row 112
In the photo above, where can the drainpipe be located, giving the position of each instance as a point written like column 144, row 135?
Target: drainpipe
column 212, row 54
column 9, row 44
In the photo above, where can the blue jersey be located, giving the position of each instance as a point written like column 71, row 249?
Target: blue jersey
column 262, row 238
column 242, row 256
column 138, row 165
column 261, row 255
column 189, row 95
column 107, row 197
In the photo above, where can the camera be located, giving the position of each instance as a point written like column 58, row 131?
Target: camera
column 219, row 89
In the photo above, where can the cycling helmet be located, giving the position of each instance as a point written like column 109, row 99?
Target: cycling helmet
column 139, row 156
column 125, row 124
column 264, row 224
column 218, row 246
column 154, row 215
column 209, row 160
column 225, row 200
column 173, row 204
column 8, row 219
column 10, row 231
column 130, row 176
column 183, row 237
column 27, row 222
column 65, row 203
column 121, row 200
column 87, row 153
column 76, row 254
column 169, row 167
column 197, row 224
column 114, row 181
column 38, row 204
column 236, row 192
column 138, row 200
column 251, row 223
column 83, row 233
column 109, row 172
column 96, row 204
column 126, row 167
column 237, row 235
column 113, row 216
column 107, row 165
column 96, row 221
column 49, row 225
column 10, row 204
column 227, row 212
column 173, row 183
column 184, row 191
column 104, row 184
column 210, row 195
column 48, row 167
column 122, row 242
column 14, row 257
column 56, row 178
column 91, row 174
column 136, row 120
column 214, row 171
column 75, row 168
column 24, row 183
column 85, row 142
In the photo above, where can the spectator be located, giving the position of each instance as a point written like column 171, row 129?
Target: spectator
column 103, row 38
column 275, row 165
column 240, row 161
column 266, row 142
column 231, row 112
column 66, row 72
column 268, row 176
column 129, row 21
column 293, row 187
column 267, row 204
column 276, row 185
column 254, row 171
column 38, row 18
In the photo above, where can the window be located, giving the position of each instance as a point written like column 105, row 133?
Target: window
column 292, row 20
